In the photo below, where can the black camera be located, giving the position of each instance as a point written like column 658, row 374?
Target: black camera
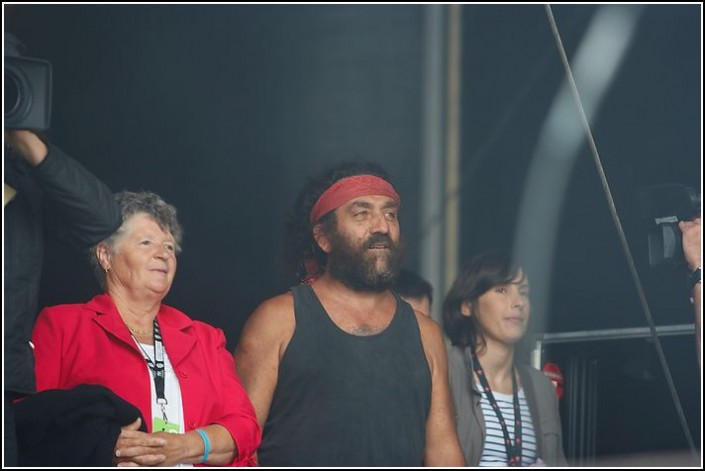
column 664, row 206
column 27, row 90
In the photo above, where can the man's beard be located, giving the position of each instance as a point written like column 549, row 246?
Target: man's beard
column 364, row 268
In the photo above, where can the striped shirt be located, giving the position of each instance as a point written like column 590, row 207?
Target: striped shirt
column 494, row 452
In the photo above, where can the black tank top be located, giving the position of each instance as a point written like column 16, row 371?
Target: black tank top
column 346, row 400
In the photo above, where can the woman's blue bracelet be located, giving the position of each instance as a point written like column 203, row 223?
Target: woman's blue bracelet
column 206, row 444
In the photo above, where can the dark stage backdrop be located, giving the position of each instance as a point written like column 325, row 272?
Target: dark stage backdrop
column 225, row 110
column 648, row 132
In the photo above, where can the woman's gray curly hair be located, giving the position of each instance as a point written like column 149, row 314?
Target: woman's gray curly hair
column 132, row 203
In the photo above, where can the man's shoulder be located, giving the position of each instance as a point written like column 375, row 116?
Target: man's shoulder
column 275, row 311
column 427, row 326
column 271, row 323
column 277, row 305
column 432, row 341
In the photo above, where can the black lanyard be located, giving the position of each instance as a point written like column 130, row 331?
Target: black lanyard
column 513, row 451
column 157, row 366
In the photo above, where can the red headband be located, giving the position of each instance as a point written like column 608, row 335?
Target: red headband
column 349, row 188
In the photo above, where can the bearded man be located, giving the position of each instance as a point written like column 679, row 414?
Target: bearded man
column 340, row 370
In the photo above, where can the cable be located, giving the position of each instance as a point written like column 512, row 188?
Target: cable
column 620, row 231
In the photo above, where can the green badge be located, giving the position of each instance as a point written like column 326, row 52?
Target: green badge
column 160, row 425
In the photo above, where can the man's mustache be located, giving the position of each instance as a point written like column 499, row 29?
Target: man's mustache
column 380, row 239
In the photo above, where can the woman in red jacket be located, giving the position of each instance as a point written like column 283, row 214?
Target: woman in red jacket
column 175, row 370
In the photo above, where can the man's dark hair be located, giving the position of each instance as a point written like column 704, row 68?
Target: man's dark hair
column 410, row 284
column 299, row 244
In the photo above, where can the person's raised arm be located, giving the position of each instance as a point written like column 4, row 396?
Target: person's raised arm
column 80, row 208
column 27, row 145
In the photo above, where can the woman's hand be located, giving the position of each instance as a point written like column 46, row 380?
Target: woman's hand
column 180, row 448
column 135, row 448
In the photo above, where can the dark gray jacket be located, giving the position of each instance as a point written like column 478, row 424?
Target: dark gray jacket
column 63, row 199
column 470, row 421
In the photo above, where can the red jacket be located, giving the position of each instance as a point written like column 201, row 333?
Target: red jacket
column 90, row 344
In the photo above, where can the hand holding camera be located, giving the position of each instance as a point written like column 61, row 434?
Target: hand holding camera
column 28, row 145
column 665, row 206
column 691, row 242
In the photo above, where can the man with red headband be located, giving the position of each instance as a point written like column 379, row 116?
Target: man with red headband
column 340, row 370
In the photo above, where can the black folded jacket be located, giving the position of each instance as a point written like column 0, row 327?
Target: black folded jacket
column 71, row 427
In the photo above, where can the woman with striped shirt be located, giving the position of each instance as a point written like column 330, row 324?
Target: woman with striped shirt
column 506, row 414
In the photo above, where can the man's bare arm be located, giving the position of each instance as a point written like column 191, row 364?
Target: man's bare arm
column 442, row 445
column 262, row 344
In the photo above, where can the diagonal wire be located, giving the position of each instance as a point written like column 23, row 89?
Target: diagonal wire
column 620, row 231
column 493, row 136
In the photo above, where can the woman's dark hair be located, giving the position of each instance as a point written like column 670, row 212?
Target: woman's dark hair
column 299, row 244
column 476, row 277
